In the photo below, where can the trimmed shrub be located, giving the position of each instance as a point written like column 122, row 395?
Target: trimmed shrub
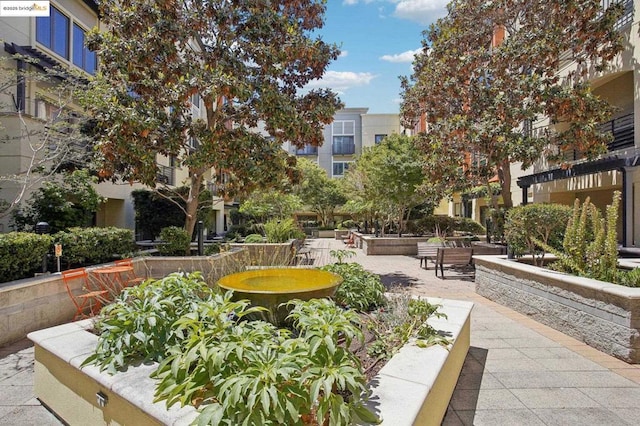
column 281, row 231
column 253, row 238
column 176, row 241
column 21, row 254
column 445, row 225
column 543, row 222
column 89, row 246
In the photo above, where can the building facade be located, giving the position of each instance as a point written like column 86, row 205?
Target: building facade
column 47, row 42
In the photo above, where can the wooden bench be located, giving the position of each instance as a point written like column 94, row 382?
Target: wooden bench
column 452, row 256
column 428, row 252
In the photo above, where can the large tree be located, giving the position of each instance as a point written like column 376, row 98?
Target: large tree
column 388, row 178
column 318, row 191
column 247, row 62
column 482, row 98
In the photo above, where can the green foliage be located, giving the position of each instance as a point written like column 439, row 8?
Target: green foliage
column 63, row 204
column 90, row 246
column 252, row 373
column 543, row 222
column 446, row 225
column 403, row 318
column 629, row 278
column 509, row 83
column 247, row 67
column 318, row 191
column 21, row 254
column 360, row 289
column 154, row 212
column 281, row 231
column 176, row 241
column 254, row 238
column 387, row 178
column 340, row 255
column 270, row 205
column 590, row 246
column 139, row 325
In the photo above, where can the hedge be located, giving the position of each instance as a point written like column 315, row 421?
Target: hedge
column 89, row 246
column 21, row 254
column 444, row 225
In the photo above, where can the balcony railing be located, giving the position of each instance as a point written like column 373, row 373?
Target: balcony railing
column 627, row 15
column 166, row 175
column 622, row 129
column 307, row 150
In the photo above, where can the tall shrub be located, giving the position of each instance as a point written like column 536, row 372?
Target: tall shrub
column 590, row 242
column 21, row 254
column 176, row 241
column 544, row 222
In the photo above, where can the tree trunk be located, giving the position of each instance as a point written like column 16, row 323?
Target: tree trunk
column 504, row 173
column 192, row 202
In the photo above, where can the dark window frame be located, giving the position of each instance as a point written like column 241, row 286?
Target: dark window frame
column 48, row 32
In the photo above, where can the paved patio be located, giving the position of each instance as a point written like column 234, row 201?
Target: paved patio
column 517, row 372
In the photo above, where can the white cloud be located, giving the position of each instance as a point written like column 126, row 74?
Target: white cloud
column 421, row 11
column 341, row 81
column 343, row 54
column 352, row 2
column 407, row 56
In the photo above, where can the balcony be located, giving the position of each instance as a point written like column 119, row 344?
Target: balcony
column 620, row 128
column 627, row 15
column 307, row 150
column 343, row 145
column 166, row 175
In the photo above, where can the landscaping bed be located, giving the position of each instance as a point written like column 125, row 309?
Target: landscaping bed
column 603, row 315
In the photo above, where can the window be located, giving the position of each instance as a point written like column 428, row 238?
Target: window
column 343, row 145
column 82, row 56
column 340, row 167
column 53, row 32
column 344, row 137
column 307, row 150
column 379, row 138
column 195, row 106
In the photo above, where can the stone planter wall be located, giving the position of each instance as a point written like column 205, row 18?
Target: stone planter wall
column 603, row 315
column 414, row 387
column 388, row 245
column 35, row 303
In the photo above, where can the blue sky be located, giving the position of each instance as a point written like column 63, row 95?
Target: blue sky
column 378, row 39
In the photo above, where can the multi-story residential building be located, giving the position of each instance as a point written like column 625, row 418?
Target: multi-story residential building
column 619, row 168
column 58, row 40
column 351, row 130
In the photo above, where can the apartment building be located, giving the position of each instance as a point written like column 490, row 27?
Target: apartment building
column 352, row 129
column 618, row 169
column 58, row 40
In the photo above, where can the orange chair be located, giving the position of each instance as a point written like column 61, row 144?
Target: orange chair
column 130, row 279
column 87, row 298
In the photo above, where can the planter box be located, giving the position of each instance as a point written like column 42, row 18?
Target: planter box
column 605, row 316
column 341, row 233
column 35, row 303
column 413, row 388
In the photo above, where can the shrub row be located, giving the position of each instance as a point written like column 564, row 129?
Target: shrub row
column 21, row 253
column 444, row 225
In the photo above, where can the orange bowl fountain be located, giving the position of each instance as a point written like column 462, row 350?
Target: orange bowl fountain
column 270, row 288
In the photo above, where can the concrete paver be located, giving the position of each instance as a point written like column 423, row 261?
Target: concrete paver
column 517, row 371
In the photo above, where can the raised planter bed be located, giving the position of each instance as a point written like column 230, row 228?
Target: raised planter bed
column 413, row 388
column 605, row 316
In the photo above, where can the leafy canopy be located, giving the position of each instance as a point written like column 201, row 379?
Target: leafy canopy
column 490, row 98
column 166, row 63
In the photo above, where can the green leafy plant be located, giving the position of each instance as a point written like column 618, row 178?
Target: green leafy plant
column 90, row 246
column 176, row 241
column 402, row 319
column 254, row 373
column 543, row 222
column 590, row 242
column 360, row 289
column 137, row 326
column 253, row 238
column 281, row 231
column 21, row 254
column 340, row 255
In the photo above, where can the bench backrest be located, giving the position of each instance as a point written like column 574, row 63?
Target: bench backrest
column 454, row 255
column 428, row 249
